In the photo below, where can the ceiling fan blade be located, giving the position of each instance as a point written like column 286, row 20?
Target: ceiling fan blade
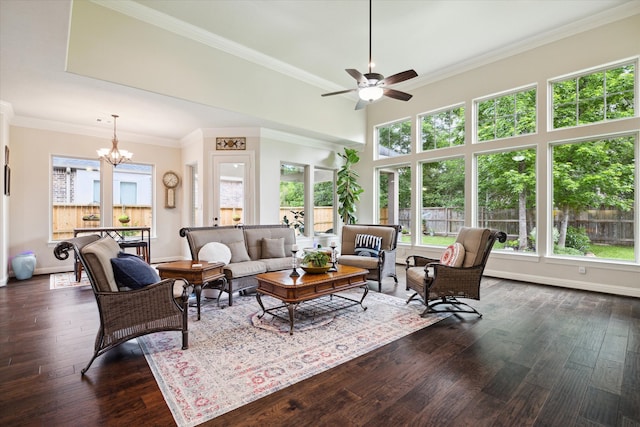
column 400, row 77
column 338, row 92
column 361, row 104
column 396, row 94
column 357, row 75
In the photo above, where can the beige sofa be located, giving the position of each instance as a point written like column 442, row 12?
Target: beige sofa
column 254, row 249
column 380, row 266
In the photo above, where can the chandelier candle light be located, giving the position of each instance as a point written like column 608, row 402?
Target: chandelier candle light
column 113, row 155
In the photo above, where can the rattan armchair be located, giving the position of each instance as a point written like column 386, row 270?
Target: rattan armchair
column 439, row 286
column 126, row 314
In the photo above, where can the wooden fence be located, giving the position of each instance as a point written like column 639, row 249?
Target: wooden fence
column 66, row 217
column 605, row 226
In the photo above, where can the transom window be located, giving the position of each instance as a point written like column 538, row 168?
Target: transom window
column 506, row 116
column 603, row 95
column 394, row 139
column 442, row 129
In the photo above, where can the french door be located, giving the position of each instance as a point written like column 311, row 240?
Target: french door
column 232, row 189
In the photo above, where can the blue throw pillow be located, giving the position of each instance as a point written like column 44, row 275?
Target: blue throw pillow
column 368, row 245
column 131, row 271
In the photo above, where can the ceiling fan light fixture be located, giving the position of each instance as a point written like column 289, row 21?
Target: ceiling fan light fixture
column 370, row 93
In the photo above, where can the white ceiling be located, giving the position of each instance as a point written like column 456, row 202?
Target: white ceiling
column 311, row 40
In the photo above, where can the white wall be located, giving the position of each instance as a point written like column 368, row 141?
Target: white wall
column 30, row 212
column 6, row 113
column 603, row 45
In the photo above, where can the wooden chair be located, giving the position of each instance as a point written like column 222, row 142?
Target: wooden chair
column 437, row 284
column 381, row 266
column 126, row 314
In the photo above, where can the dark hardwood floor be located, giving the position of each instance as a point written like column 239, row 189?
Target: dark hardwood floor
column 540, row 356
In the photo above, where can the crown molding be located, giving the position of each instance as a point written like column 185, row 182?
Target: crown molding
column 55, row 126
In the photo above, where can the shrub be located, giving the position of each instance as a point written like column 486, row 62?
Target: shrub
column 577, row 238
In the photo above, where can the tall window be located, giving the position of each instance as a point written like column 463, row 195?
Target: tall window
column 507, row 196
column 324, row 193
column 594, row 198
column 603, row 95
column 292, row 191
column 73, row 194
column 442, row 129
column 507, row 115
column 133, row 195
column 394, row 139
column 394, row 198
column 442, row 201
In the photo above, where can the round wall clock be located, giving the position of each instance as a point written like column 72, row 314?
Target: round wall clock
column 170, row 180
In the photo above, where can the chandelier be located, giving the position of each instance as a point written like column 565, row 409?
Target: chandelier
column 113, row 155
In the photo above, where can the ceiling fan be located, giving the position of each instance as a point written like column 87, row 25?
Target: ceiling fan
column 372, row 86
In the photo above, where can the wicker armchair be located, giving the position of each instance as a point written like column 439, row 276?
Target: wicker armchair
column 439, row 284
column 126, row 314
column 381, row 266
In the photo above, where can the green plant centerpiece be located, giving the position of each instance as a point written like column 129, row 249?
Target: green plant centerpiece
column 348, row 188
column 315, row 262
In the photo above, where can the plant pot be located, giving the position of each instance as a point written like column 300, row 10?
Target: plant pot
column 23, row 265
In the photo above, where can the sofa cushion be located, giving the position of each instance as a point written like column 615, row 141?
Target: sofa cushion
column 253, row 236
column 243, row 269
column 370, row 263
column 349, row 232
column 367, row 245
column 238, row 252
column 197, row 238
column 215, row 252
column 98, row 256
column 277, row 264
column 474, row 241
column 273, row 248
column 132, row 271
column 453, row 256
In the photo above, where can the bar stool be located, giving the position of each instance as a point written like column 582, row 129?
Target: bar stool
column 142, row 248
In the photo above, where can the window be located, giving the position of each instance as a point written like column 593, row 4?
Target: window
column 75, row 201
column 292, row 196
column 505, row 116
column 394, row 139
column 594, row 198
column 132, row 195
column 442, row 201
column 603, row 95
column 442, row 129
column 324, row 193
column 507, row 196
column 194, row 206
column 394, row 198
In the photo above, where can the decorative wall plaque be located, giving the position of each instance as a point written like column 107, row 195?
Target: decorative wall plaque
column 231, row 143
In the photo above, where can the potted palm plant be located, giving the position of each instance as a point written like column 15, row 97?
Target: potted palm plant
column 348, row 188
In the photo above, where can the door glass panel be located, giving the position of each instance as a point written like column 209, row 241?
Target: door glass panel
column 231, row 193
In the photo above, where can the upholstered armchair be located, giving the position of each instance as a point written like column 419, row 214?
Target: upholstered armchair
column 372, row 247
column 126, row 313
column 457, row 274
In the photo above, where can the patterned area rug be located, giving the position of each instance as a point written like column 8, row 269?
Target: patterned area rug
column 66, row 281
column 235, row 357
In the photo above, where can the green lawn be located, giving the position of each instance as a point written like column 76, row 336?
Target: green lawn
column 600, row 251
column 613, row 252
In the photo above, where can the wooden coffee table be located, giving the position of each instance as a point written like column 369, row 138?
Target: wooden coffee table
column 294, row 290
column 197, row 273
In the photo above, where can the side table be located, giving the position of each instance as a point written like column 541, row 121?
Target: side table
column 199, row 274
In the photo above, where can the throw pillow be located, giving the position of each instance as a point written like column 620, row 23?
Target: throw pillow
column 215, row 252
column 238, row 251
column 273, row 248
column 453, row 256
column 133, row 272
column 367, row 245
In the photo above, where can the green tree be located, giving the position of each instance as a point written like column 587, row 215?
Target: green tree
column 592, row 174
column 348, row 188
column 508, row 180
